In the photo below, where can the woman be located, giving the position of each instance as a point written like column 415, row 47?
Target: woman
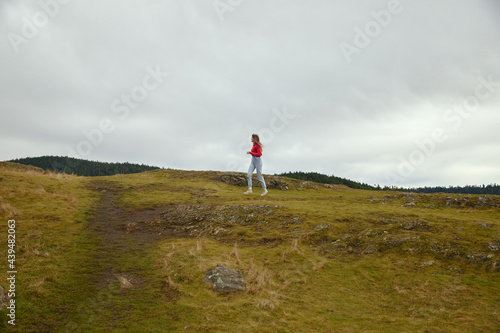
column 256, row 163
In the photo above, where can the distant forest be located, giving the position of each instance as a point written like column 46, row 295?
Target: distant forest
column 324, row 179
column 468, row 189
column 82, row 167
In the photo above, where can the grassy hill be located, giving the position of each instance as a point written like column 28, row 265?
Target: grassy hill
column 82, row 167
column 128, row 253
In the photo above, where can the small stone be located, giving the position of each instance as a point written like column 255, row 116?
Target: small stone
column 483, row 225
column 124, row 282
column 225, row 279
column 427, row 263
column 495, row 245
column 411, row 225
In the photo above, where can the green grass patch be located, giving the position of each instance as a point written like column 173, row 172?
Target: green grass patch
column 52, row 245
column 314, row 258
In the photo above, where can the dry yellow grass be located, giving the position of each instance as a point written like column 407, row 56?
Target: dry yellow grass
column 236, row 254
column 7, row 210
column 315, row 260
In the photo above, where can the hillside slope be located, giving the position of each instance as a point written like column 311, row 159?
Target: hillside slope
column 82, row 167
column 128, row 253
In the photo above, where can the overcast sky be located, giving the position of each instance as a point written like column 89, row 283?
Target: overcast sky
column 391, row 92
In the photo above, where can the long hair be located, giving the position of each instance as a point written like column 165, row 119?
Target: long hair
column 256, row 140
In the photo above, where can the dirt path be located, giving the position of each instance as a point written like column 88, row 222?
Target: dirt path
column 121, row 238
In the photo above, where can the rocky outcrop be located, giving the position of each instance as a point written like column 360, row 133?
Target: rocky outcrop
column 240, row 179
column 495, row 244
column 232, row 178
column 225, row 279
column 434, row 201
column 482, row 201
column 275, row 182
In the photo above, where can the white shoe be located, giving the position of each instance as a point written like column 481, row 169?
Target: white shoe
column 248, row 192
column 264, row 193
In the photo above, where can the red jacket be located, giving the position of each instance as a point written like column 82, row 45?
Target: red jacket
column 256, row 150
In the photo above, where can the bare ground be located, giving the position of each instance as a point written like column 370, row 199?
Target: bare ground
column 121, row 237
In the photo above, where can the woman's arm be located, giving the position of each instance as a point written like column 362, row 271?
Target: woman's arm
column 256, row 151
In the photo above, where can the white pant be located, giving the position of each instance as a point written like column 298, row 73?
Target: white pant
column 256, row 163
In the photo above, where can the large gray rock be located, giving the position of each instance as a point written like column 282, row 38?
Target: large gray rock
column 225, row 279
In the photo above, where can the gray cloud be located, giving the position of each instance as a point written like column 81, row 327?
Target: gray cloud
column 86, row 62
